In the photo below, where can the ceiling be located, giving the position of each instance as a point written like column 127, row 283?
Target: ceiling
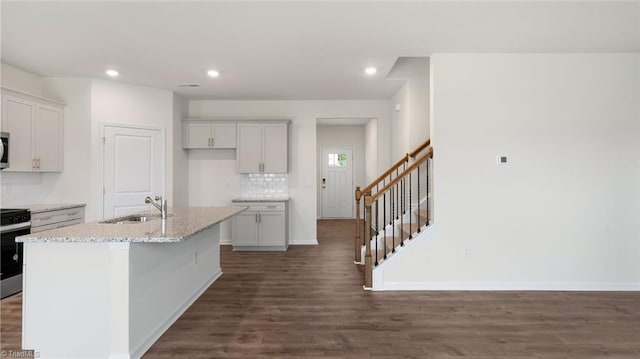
column 293, row 50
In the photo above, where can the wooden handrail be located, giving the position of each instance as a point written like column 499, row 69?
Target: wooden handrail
column 386, row 173
column 419, row 149
column 395, row 166
column 418, row 162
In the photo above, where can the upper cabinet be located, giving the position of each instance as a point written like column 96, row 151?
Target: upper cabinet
column 263, row 147
column 200, row 134
column 36, row 128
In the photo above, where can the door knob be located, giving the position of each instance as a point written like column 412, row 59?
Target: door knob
column 324, row 183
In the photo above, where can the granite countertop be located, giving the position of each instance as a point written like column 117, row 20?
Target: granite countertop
column 46, row 207
column 182, row 223
column 261, row 199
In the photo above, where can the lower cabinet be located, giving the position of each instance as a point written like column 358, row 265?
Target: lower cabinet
column 46, row 220
column 262, row 227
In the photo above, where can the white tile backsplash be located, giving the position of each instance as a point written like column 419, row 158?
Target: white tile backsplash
column 264, row 185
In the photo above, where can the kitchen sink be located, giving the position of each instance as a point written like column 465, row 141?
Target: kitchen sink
column 131, row 219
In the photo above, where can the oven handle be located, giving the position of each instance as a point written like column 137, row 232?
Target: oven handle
column 13, row 227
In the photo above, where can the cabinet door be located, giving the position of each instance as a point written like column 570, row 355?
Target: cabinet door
column 224, row 135
column 245, row 229
column 249, row 147
column 197, row 135
column 48, row 138
column 272, row 229
column 274, row 148
column 17, row 119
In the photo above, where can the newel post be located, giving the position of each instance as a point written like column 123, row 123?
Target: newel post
column 368, row 263
column 358, row 240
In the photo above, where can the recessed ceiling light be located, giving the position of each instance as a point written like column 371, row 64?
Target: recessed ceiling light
column 112, row 73
column 213, row 73
column 370, row 70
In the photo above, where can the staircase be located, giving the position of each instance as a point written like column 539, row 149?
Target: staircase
column 396, row 210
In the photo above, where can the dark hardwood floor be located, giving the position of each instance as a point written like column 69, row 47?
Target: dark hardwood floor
column 309, row 303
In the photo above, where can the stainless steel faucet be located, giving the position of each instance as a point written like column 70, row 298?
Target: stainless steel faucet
column 159, row 204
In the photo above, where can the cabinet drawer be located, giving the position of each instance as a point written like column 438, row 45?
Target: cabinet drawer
column 56, row 225
column 265, row 207
column 51, row 217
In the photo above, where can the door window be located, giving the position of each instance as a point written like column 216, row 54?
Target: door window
column 337, row 160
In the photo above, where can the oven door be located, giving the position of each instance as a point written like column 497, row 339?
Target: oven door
column 10, row 251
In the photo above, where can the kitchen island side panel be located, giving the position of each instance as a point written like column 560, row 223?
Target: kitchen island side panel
column 165, row 279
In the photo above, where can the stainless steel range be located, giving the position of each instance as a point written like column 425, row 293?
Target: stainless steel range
column 14, row 223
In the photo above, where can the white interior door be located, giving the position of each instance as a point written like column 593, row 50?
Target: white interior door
column 133, row 169
column 337, row 183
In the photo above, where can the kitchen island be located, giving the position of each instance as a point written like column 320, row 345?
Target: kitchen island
column 110, row 290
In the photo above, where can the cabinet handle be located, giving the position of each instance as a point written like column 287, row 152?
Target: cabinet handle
column 256, row 217
column 46, row 218
column 213, row 141
column 33, row 164
column 259, row 217
column 38, row 163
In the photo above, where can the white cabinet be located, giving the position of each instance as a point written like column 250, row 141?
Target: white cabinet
column 262, row 227
column 263, row 147
column 36, row 128
column 209, row 135
column 57, row 218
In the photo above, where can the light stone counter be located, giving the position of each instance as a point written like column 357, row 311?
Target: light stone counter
column 182, row 223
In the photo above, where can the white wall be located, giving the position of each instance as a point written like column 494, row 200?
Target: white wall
column 370, row 148
column 213, row 181
column 564, row 213
column 400, row 112
column 72, row 185
column 117, row 103
column 180, row 159
column 342, row 137
column 410, row 123
column 19, row 80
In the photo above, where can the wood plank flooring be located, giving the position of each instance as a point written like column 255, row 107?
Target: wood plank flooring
column 309, row 303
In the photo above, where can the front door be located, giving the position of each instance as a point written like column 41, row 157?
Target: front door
column 133, row 169
column 337, row 183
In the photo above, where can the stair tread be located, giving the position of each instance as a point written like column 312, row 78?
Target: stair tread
column 380, row 256
column 392, row 242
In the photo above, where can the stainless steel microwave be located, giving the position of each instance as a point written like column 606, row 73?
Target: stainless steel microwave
column 4, row 150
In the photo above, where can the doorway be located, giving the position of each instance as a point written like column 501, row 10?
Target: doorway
column 133, row 160
column 337, row 183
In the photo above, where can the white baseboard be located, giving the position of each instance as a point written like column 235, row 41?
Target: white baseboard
column 228, row 242
column 510, row 286
column 156, row 334
column 313, row 242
